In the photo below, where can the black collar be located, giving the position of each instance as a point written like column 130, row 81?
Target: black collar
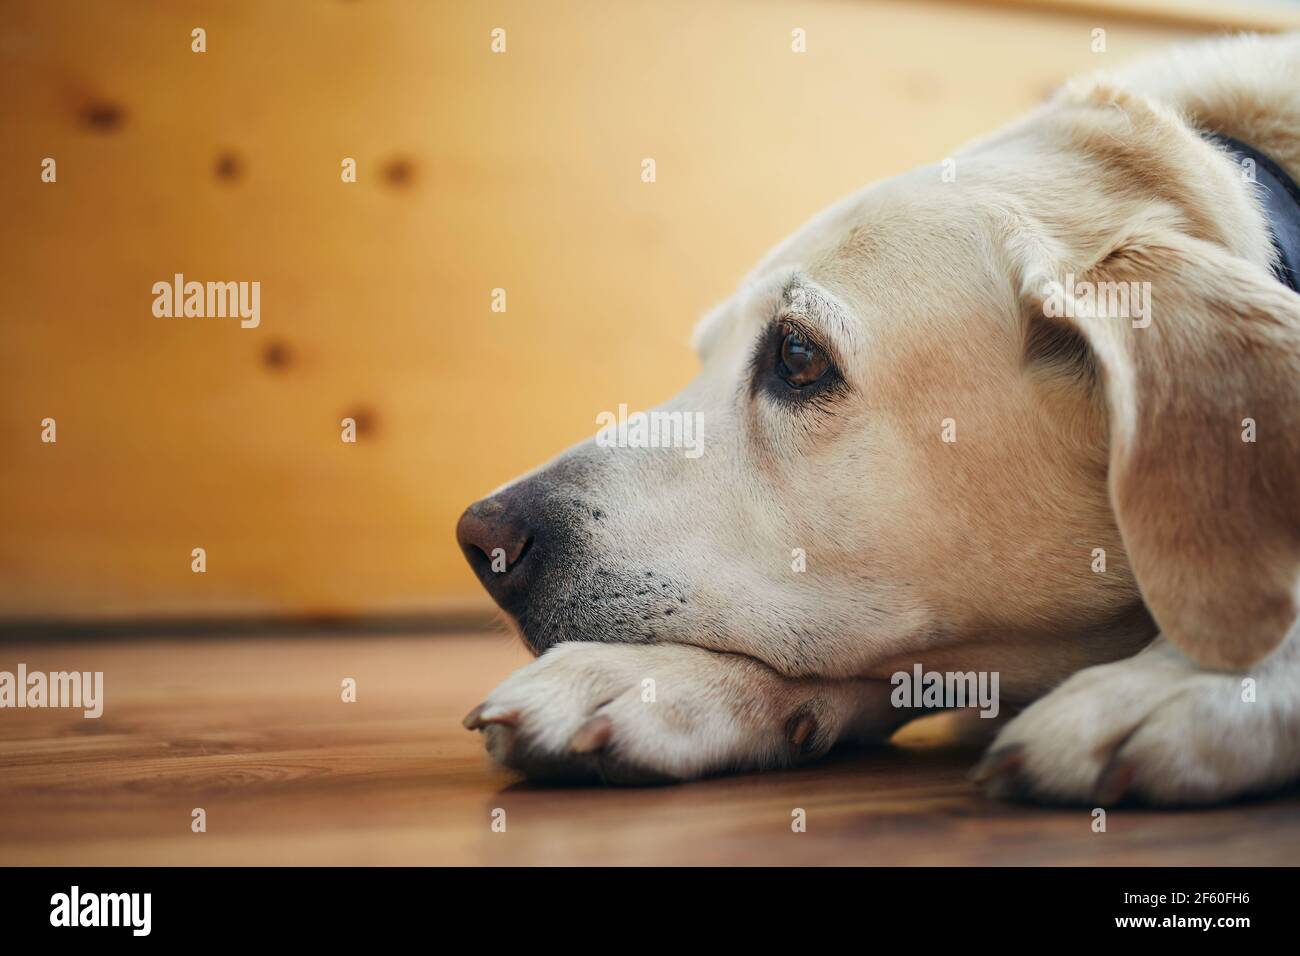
column 1280, row 196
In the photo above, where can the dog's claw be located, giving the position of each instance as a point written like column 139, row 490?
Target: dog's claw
column 591, row 736
column 481, row 716
column 801, row 730
column 1000, row 770
column 1114, row 781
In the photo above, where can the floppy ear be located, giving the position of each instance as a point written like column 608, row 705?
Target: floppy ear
column 1203, row 395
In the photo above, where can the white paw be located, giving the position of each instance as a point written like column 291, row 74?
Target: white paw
column 1152, row 728
column 646, row 713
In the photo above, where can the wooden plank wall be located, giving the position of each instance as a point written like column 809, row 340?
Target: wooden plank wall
column 476, row 171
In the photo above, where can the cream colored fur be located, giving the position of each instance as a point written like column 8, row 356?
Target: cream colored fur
column 978, row 554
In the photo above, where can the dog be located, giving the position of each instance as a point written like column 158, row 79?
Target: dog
column 1034, row 412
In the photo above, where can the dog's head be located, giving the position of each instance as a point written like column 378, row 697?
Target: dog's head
column 913, row 432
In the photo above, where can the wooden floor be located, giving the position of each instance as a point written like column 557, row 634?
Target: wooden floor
column 253, row 730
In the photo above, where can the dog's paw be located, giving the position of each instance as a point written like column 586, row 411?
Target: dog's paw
column 637, row 714
column 1152, row 728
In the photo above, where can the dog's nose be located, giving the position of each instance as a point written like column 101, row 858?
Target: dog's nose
column 496, row 535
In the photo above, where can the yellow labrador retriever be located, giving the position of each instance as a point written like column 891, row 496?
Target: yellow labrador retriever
column 1032, row 414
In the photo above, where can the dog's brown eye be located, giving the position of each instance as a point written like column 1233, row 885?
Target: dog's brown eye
column 801, row 362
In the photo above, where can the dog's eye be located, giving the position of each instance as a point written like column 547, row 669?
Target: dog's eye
column 800, row 363
column 790, row 366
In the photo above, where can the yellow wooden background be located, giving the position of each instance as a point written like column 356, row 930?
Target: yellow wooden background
column 476, row 171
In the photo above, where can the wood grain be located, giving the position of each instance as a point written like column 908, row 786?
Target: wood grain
column 254, row 731
column 476, row 171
